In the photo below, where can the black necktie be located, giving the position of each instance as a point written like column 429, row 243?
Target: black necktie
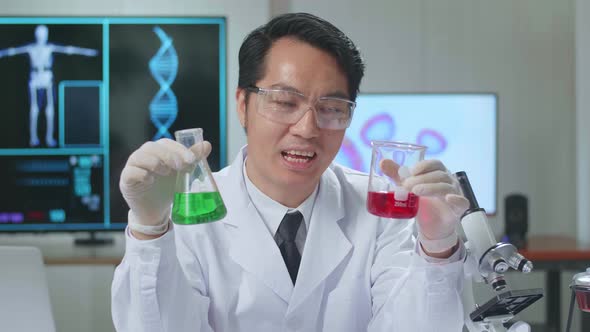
column 286, row 232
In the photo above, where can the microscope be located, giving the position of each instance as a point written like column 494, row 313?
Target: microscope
column 489, row 261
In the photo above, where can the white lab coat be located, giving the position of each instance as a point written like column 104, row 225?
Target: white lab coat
column 358, row 272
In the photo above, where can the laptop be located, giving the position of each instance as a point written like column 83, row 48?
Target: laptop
column 24, row 295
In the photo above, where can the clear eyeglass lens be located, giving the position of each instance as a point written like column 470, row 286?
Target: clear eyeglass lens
column 284, row 102
column 333, row 109
column 288, row 107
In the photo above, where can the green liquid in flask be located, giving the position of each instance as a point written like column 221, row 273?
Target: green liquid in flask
column 197, row 208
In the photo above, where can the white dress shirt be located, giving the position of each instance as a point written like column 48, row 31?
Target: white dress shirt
column 272, row 212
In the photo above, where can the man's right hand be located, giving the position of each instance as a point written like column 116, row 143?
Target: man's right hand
column 148, row 179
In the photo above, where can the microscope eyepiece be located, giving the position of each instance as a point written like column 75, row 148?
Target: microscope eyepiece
column 468, row 192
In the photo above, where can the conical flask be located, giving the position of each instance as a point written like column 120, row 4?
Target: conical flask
column 196, row 199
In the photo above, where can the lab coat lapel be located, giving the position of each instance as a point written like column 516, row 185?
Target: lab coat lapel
column 253, row 247
column 326, row 245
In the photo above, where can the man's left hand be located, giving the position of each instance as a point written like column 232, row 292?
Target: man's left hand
column 441, row 204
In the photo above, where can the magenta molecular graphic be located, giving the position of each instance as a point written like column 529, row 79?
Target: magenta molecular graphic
column 434, row 140
column 381, row 127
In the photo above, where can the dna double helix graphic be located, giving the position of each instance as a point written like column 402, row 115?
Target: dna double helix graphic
column 164, row 67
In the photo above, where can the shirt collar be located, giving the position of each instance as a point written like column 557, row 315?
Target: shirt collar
column 271, row 211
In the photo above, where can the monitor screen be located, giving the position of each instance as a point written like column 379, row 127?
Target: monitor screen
column 80, row 94
column 458, row 129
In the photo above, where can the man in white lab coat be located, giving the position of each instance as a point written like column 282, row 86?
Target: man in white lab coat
column 297, row 250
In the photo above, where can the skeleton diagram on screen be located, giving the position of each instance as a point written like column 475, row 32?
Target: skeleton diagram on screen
column 41, row 79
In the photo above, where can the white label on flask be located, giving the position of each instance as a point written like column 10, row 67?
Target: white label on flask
column 401, row 194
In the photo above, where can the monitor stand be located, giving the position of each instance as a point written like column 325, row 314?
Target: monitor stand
column 93, row 240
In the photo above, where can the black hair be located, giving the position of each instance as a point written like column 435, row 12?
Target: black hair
column 309, row 29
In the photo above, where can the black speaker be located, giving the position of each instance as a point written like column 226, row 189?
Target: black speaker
column 517, row 219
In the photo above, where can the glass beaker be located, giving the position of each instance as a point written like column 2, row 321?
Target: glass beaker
column 386, row 196
column 581, row 286
column 196, row 198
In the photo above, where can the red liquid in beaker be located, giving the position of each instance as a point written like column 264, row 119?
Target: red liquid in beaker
column 583, row 297
column 383, row 204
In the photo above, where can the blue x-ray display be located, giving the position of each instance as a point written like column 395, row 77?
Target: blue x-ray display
column 40, row 53
column 80, row 94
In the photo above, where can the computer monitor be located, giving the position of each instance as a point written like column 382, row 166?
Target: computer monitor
column 80, row 94
column 459, row 129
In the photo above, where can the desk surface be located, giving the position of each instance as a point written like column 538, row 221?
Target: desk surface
column 82, row 260
column 59, row 249
column 555, row 248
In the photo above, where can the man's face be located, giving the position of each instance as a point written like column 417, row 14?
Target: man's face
column 287, row 157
